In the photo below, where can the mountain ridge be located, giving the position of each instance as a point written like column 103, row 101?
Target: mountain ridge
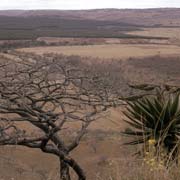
column 163, row 16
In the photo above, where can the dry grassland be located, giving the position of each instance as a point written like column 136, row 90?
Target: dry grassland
column 100, row 153
column 120, row 51
column 157, row 32
column 172, row 33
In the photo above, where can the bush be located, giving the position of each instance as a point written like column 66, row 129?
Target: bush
column 156, row 119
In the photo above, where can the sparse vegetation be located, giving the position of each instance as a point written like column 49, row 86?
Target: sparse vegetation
column 56, row 99
column 66, row 101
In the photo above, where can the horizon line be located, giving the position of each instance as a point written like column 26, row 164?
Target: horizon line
column 46, row 9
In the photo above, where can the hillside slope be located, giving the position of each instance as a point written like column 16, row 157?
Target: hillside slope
column 147, row 17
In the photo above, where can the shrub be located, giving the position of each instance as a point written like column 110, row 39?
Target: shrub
column 155, row 118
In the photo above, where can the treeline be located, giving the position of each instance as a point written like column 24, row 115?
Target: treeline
column 14, row 44
column 9, row 45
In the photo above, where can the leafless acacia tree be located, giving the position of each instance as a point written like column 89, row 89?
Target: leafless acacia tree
column 54, row 98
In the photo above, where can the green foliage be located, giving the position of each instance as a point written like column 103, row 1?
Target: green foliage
column 155, row 117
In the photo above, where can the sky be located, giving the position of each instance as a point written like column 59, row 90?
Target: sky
column 86, row 4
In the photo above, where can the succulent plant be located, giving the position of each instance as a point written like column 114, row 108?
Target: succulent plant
column 155, row 117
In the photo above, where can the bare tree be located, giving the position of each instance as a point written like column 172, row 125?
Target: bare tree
column 51, row 96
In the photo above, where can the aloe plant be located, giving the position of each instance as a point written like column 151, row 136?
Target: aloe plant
column 155, row 117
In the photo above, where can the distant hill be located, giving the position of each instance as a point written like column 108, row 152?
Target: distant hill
column 147, row 17
column 97, row 23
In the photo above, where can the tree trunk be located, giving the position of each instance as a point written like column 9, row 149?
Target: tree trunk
column 64, row 171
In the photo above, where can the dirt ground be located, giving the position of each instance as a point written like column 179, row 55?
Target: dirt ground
column 101, row 145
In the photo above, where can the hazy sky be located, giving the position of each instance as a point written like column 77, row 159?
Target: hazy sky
column 86, row 4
